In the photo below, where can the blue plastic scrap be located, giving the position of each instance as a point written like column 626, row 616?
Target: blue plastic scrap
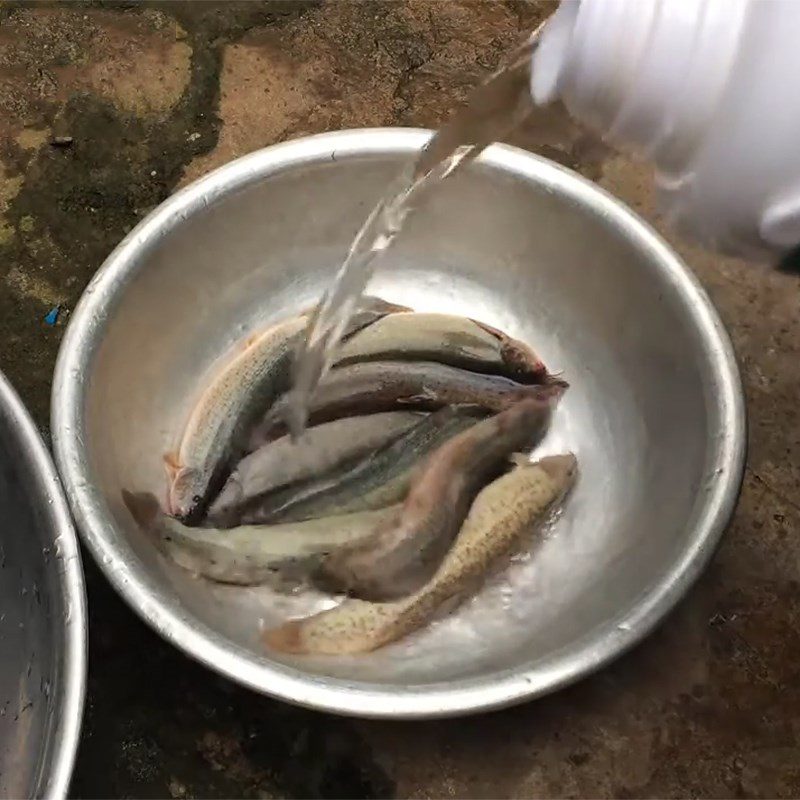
column 52, row 315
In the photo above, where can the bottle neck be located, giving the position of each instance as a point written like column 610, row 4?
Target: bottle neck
column 646, row 75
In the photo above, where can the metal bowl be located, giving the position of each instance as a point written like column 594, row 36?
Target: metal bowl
column 655, row 412
column 42, row 615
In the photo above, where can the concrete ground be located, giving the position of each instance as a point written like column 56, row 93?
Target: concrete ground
column 106, row 108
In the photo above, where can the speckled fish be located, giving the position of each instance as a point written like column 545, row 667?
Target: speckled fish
column 443, row 338
column 279, row 555
column 386, row 385
column 257, row 373
column 404, row 553
column 501, row 513
column 284, row 462
column 378, row 480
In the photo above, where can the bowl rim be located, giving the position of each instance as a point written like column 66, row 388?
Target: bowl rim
column 359, row 698
column 60, row 747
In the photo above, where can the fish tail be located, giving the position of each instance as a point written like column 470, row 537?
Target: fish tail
column 143, row 506
column 288, row 638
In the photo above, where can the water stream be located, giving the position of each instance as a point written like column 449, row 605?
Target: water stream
column 495, row 108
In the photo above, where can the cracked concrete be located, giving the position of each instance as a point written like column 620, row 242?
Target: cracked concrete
column 152, row 95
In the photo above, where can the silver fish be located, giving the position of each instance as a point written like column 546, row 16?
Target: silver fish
column 387, row 385
column 279, row 555
column 402, row 555
column 284, row 462
column 445, row 338
column 378, row 480
column 257, row 373
column 501, row 513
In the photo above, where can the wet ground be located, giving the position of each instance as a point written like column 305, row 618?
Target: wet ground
column 106, row 108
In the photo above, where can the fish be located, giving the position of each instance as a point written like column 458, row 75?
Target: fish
column 387, row 385
column 333, row 445
column 230, row 404
column 443, row 338
column 377, row 480
column 506, row 509
column 278, row 555
column 401, row 555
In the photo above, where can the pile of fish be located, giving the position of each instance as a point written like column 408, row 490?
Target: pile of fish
column 407, row 487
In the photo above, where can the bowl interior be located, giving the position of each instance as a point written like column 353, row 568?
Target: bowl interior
column 513, row 241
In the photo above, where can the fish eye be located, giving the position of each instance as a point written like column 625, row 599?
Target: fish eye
column 196, row 498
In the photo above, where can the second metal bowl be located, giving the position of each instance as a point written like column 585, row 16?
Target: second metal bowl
column 42, row 615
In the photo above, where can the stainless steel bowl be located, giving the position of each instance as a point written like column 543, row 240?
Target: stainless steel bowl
column 42, row 615
column 655, row 411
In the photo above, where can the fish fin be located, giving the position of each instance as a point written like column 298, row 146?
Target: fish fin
column 286, row 638
column 498, row 334
column 379, row 305
column 172, row 465
column 143, row 506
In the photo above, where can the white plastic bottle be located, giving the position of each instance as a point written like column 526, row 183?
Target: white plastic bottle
column 708, row 90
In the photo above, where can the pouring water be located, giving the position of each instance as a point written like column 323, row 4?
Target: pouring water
column 494, row 109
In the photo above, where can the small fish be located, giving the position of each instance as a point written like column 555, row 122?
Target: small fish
column 444, row 338
column 279, row 555
column 284, row 462
column 378, row 480
column 231, row 403
column 501, row 513
column 387, row 385
column 404, row 553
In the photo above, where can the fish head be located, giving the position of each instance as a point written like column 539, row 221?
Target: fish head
column 553, row 389
column 531, row 407
column 562, row 469
column 547, row 394
column 523, row 363
column 186, row 491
